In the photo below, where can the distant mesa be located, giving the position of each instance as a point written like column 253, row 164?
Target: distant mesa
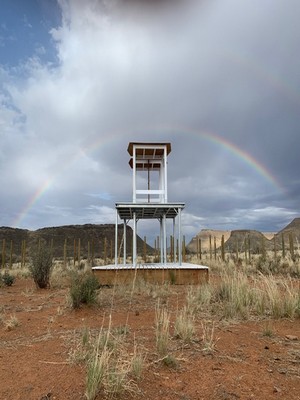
column 235, row 239
column 204, row 235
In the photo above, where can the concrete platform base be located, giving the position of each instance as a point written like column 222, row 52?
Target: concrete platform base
column 184, row 274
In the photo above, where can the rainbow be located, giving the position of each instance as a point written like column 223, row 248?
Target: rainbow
column 244, row 156
column 165, row 131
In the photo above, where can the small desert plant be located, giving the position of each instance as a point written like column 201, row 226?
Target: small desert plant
column 117, row 379
column 282, row 298
column 162, row 328
column 60, row 277
column 8, row 279
column 170, row 361
column 236, row 295
column 83, row 289
column 109, row 367
column 41, row 266
column 82, row 348
column 137, row 363
column 11, row 323
column 268, row 329
column 184, row 326
column 208, row 336
column 97, row 367
column 199, row 298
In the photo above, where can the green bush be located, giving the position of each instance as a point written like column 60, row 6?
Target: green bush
column 83, row 289
column 8, row 279
column 41, row 266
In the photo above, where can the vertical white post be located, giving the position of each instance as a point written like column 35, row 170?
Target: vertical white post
column 179, row 238
column 116, row 240
column 160, row 185
column 174, row 242
column 124, row 242
column 165, row 175
column 134, row 241
column 165, row 238
column 134, row 175
column 161, row 239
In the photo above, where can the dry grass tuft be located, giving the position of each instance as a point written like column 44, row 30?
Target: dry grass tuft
column 11, row 323
column 208, row 336
column 162, row 329
column 185, row 325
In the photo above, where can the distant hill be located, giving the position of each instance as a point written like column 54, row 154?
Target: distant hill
column 292, row 228
column 95, row 235
column 256, row 239
column 204, row 235
column 235, row 239
column 89, row 235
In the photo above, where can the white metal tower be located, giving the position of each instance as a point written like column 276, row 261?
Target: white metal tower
column 149, row 197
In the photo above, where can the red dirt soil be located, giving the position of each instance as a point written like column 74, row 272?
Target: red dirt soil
column 35, row 362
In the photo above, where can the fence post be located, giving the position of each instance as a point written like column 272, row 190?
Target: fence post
column 200, row 249
column 3, row 253
column 291, row 242
column 65, row 253
column 23, row 254
column 89, row 254
column 283, row 245
column 249, row 251
column 222, row 248
column 263, row 248
column 105, row 251
column 74, row 253
column 93, row 252
column 11, row 254
column 215, row 248
column 79, row 252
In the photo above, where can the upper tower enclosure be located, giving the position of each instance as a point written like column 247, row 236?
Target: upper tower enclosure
column 147, row 157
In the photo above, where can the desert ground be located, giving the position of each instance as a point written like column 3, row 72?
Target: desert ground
column 211, row 349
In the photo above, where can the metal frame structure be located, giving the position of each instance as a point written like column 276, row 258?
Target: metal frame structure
column 148, row 157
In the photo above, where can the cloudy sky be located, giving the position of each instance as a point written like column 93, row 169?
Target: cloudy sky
column 219, row 79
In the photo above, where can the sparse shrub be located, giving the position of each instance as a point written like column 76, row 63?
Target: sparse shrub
column 268, row 329
column 60, row 277
column 137, row 363
column 162, row 327
column 199, row 298
column 11, row 323
column 97, row 367
column 282, row 297
column 117, row 381
column 41, row 266
column 184, row 326
column 110, row 369
column 83, row 289
column 208, row 336
column 236, row 295
column 170, row 361
column 8, row 279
